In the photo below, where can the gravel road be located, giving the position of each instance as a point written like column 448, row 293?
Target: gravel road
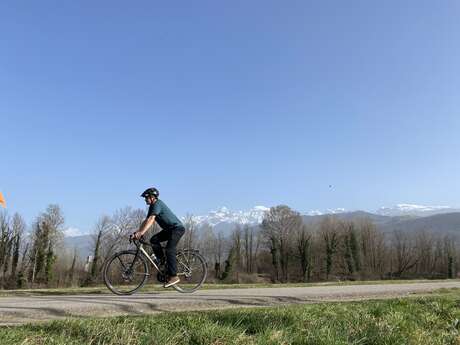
column 17, row 310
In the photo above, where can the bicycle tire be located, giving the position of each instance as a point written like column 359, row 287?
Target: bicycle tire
column 107, row 267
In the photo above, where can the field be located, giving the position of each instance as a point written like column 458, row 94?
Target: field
column 432, row 320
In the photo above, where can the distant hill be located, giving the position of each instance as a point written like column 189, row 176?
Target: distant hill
column 445, row 223
column 375, row 218
column 448, row 223
column 81, row 243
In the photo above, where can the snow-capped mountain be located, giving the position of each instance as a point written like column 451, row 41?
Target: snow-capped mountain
column 328, row 211
column 250, row 217
column 224, row 215
column 414, row 210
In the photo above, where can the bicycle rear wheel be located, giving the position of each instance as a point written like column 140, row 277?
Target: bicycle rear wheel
column 192, row 271
column 125, row 273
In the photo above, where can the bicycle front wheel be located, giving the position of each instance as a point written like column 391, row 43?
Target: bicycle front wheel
column 192, row 271
column 125, row 272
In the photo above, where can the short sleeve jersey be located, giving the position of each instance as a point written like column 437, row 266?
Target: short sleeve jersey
column 164, row 216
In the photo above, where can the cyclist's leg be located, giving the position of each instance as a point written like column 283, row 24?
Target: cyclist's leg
column 156, row 243
column 176, row 235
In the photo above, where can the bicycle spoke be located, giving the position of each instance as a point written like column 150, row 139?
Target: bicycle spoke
column 185, row 267
column 121, row 262
column 182, row 257
column 193, row 271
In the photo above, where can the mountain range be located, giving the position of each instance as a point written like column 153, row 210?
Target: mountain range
column 224, row 215
column 415, row 210
column 407, row 217
column 385, row 217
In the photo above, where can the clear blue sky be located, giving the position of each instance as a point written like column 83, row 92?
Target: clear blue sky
column 236, row 103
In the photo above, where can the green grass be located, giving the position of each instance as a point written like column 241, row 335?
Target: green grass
column 419, row 321
column 158, row 288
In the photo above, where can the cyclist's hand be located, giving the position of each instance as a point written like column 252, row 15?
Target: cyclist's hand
column 137, row 235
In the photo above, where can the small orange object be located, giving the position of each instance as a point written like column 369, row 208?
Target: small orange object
column 2, row 200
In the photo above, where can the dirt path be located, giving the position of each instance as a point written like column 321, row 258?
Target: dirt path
column 17, row 310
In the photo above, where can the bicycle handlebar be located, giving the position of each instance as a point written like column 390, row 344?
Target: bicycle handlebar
column 134, row 240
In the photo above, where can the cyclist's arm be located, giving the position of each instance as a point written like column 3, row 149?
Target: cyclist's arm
column 146, row 224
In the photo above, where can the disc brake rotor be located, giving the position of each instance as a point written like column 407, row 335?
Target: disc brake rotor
column 127, row 275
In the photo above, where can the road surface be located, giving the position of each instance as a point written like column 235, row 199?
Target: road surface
column 18, row 309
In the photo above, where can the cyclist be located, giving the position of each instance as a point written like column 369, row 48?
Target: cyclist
column 172, row 231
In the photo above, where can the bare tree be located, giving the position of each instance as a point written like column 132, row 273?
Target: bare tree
column 72, row 268
column 330, row 239
column 373, row 250
column 36, row 253
column 304, row 251
column 425, row 246
column 124, row 222
column 53, row 220
column 207, row 242
column 102, row 228
column 190, row 237
column 21, row 279
column 350, row 260
column 6, row 240
column 278, row 225
column 249, row 248
column 47, row 232
column 405, row 254
column 236, row 244
column 449, row 257
column 19, row 227
column 218, row 253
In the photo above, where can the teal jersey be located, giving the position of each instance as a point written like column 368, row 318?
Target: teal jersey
column 164, row 216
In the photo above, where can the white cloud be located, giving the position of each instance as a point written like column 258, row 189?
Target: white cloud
column 72, row 232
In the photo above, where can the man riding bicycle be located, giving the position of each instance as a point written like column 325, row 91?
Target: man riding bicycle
column 172, row 231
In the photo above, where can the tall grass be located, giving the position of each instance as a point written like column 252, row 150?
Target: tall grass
column 419, row 321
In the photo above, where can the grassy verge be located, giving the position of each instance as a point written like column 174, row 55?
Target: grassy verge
column 158, row 288
column 420, row 321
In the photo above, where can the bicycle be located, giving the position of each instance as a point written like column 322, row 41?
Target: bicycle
column 122, row 269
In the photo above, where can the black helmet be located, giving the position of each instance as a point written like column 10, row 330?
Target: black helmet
column 151, row 192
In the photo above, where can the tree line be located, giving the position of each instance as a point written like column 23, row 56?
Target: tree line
column 28, row 258
column 35, row 256
column 283, row 248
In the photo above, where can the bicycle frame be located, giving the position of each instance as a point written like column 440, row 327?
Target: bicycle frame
column 139, row 245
